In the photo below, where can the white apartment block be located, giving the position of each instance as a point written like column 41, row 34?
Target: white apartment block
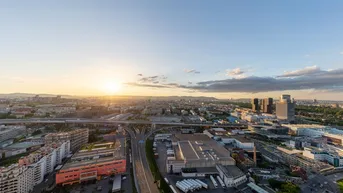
column 44, row 160
column 16, row 179
column 9, row 132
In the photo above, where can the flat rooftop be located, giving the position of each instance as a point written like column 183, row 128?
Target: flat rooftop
column 97, row 153
column 231, row 171
column 200, row 146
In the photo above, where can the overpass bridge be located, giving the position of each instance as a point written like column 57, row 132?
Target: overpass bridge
column 101, row 121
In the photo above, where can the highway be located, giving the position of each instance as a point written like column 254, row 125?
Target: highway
column 101, row 121
column 143, row 176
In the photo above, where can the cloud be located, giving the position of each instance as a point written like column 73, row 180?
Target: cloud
column 148, row 79
column 191, row 71
column 310, row 70
column 326, row 80
column 139, row 74
column 305, row 79
column 235, row 72
column 190, row 82
column 169, row 85
column 341, row 53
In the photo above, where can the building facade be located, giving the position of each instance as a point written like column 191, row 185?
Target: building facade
column 255, row 105
column 76, row 137
column 267, row 105
column 285, row 108
column 16, row 179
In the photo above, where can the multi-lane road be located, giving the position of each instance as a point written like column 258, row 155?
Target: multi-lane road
column 143, row 176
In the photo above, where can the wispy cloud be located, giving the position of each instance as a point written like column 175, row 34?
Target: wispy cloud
column 235, row 72
column 341, row 53
column 310, row 70
column 191, row 71
column 139, row 74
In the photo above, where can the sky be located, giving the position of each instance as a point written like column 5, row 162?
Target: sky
column 224, row 49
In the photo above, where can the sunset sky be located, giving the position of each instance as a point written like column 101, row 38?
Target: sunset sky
column 223, row 49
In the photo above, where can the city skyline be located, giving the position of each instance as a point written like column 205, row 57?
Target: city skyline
column 228, row 50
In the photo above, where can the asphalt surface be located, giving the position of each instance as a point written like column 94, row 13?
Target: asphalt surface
column 142, row 173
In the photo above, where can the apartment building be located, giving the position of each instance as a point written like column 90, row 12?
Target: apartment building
column 76, row 137
column 16, row 179
column 44, row 160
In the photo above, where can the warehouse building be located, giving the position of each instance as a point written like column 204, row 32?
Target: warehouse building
column 197, row 151
column 232, row 176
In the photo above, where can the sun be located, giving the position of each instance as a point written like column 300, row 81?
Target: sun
column 112, row 87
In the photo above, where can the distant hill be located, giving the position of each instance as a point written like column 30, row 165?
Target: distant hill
column 25, row 95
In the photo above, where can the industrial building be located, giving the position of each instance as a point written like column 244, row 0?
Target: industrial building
column 11, row 132
column 231, row 175
column 197, row 151
column 92, row 162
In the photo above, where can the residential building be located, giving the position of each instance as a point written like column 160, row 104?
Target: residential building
column 16, row 179
column 44, row 160
column 76, row 137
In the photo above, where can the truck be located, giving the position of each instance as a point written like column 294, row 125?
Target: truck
column 214, row 181
column 182, row 187
column 197, row 183
column 204, row 185
column 221, row 181
column 172, row 188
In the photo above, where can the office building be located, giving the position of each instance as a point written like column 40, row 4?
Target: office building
column 92, row 162
column 329, row 154
column 76, row 137
column 255, row 105
column 267, row 105
column 285, row 108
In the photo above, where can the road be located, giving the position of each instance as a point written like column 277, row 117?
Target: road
column 143, row 175
column 101, row 121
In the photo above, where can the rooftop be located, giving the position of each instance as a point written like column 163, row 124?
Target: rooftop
column 231, row 171
column 97, row 153
column 200, row 146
